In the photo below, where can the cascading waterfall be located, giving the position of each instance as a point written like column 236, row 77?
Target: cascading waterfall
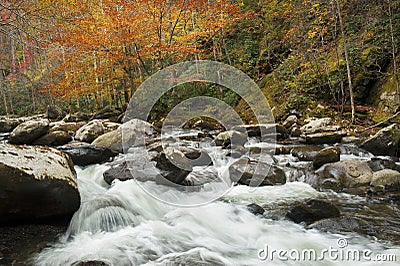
column 123, row 225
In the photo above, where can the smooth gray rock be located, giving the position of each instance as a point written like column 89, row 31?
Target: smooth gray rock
column 344, row 174
column 90, row 131
column 386, row 178
column 29, row 131
column 36, row 183
column 129, row 134
column 254, row 173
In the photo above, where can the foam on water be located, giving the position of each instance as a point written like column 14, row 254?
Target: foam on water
column 124, row 225
column 133, row 228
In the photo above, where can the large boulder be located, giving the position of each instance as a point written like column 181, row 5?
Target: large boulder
column 66, row 126
column 54, row 112
column 90, row 131
column 120, row 172
column 36, row 183
column 54, row 138
column 311, row 211
column 384, row 142
column 323, row 138
column 327, row 155
column 255, row 173
column 290, row 121
column 386, row 178
column 29, row 131
column 306, row 153
column 344, row 174
column 203, row 123
column 341, row 225
column 230, row 137
column 380, row 163
column 83, row 154
column 108, row 113
column 127, row 135
column 8, row 124
column 266, row 131
column 174, row 165
column 318, row 126
column 197, row 157
column 77, row 117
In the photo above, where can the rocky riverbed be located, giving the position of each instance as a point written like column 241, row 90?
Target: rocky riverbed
column 354, row 183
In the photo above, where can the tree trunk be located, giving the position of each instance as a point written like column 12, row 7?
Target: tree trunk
column 346, row 55
column 5, row 101
column 395, row 75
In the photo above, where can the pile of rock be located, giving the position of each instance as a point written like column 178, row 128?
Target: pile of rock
column 320, row 131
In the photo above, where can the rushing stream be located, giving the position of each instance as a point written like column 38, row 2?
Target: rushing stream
column 124, row 225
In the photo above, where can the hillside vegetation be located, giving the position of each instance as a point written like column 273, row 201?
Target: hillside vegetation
column 309, row 57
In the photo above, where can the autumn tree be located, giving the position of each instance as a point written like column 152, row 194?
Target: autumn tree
column 107, row 48
column 21, row 58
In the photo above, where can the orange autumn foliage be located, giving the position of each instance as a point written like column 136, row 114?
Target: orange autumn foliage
column 111, row 46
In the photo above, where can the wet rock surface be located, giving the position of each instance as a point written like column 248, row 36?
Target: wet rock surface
column 230, row 137
column 254, row 173
column 327, row 155
column 306, row 153
column 311, row 211
column 19, row 243
column 174, row 165
column 341, row 225
column 380, row 163
column 255, row 209
column 120, row 172
column 84, row 154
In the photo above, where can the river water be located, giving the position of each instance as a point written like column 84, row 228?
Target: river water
column 122, row 224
